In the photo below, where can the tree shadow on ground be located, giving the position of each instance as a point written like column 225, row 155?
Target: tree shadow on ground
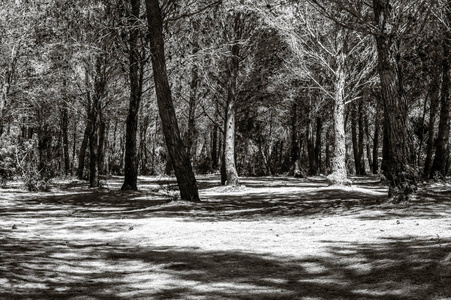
column 394, row 269
column 303, row 199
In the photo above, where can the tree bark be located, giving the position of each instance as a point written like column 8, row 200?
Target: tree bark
column 440, row 164
column 177, row 151
column 229, row 139
column 434, row 96
column 339, row 173
column 193, row 94
column 65, row 133
column 376, row 146
column 84, row 146
column 313, row 169
column 361, row 140
column 355, row 144
column 401, row 176
column 318, row 153
column 136, row 69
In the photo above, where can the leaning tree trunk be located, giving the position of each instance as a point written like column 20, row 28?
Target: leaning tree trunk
column 401, row 176
column 440, row 164
column 177, row 151
column 339, row 174
column 136, row 79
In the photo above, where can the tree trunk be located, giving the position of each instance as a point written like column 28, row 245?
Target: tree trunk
column 311, row 149
column 339, row 174
column 136, row 70
column 376, row 146
column 65, row 133
column 361, row 140
column 318, row 154
column 294, row 140
column 101, row 146
column 355, row 145
column 440, row 164
column 193, row 93
column 368, row 148
column 229, row 139
column 214, row 147
column 434, row 96
column 94, row 145
column 177, row 151
column 401, row 176
column 83, row 148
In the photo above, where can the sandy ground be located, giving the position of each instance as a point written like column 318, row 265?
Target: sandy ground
column 274, row 238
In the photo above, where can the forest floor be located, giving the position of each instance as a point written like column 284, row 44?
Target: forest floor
column 274, row 238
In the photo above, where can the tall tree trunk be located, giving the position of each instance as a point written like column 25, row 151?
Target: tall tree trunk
column 229, row 139
column 177, row 151
column 65, row 133
column 313, row 169
column 401, row 176
column 355, row 144
column 214, row 147
column 294, row 140
column 376, row 146
column 93, row 146
column 101, row 146
column 361, row 140
column 368, row 148
column 84, row 145
column 136, row 69
column 339, row 173
column 434, row 96
column 318, row 153
column 440, row 164
column 193, row 93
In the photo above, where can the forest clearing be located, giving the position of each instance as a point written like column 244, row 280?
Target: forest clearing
column 271, row 238
column 326, row 125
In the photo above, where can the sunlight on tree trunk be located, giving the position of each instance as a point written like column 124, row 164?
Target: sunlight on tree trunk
column 339, row 174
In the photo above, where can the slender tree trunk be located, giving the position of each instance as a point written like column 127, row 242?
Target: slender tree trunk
column 94, row 144
column 101, row 146
column 84, row 147
column 361, row 140
column 214, row 147
column 311, row 149
column 294, row 140
column 440, row 164
column 229, row 139
column 376, row 146
column 401, row 176
column 136, row 80
column 339, row 173
column 318, row 154
column 368, row 148
column 193, row 93
column 65, row 133
column 177, row 151
column 434, row 96
column 355, row 144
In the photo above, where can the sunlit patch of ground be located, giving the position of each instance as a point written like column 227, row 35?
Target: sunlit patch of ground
column 271, row 238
